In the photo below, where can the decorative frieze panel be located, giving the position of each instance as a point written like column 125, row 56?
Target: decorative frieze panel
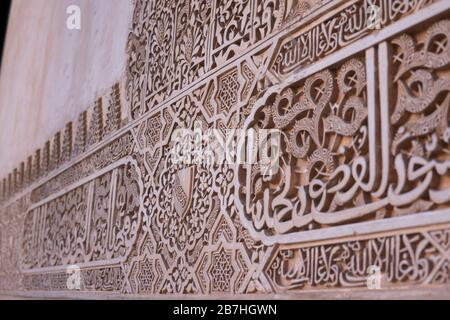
column 325, row 167
column 344, row 160
column 419, row 258
column 356, row 96
column 12, row 219
column 109, row 279
column 107, row 155
column 353, row 21
column 175, row 43
column 420, row 119
column 92, row 222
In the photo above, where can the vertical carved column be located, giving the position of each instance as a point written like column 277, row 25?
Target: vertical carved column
column 21, row 177
column 96, row 124
column 56, row 152
column 37, row 165
column 66, row 153
column 4, row 189
column 29, row 171
column 114, row 114
column 10, row 185
column 81, row 137
column 45, row 164
column 15, row 181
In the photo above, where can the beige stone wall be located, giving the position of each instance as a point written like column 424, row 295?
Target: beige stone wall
column 50, row 73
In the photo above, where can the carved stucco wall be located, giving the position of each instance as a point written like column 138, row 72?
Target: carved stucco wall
column 364, row 181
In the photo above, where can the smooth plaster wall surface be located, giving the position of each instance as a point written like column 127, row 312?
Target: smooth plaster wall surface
column 50, row 73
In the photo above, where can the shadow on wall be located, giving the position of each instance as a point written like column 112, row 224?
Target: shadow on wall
column 4, row 15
